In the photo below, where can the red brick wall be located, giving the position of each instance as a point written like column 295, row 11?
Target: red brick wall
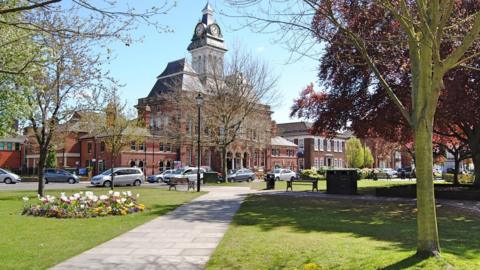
column 11, row 159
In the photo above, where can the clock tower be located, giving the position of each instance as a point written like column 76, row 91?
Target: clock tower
column 207, row 47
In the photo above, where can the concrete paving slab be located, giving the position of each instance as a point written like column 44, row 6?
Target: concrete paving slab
column 182, row 239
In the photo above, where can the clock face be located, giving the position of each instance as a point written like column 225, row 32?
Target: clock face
column 214, row 30
column 199, row 30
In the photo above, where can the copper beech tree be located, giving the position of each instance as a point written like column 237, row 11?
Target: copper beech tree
column 369, row 29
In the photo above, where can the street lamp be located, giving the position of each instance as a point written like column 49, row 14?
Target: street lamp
column 199, row 100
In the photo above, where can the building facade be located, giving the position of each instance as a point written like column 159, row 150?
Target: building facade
column 12, row 153
column 171, row 116
column 313, row 151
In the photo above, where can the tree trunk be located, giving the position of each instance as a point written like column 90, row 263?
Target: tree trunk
column 41, row 166
column 474, row 145
column 427, row 230
column 456, row 169
column 113, row 176
column 224, row 164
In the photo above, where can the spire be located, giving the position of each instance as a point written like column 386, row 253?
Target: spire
column 208, row 9
column 207, row 17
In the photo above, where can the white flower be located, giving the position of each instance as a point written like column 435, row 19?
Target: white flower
column 138, row 195
column 94, row 198
column 72, row 198
column 25, row 199
column 63, row 197
column 110, row 192
column 129, row 193
column 103, row 197
column 89, row 194
column 76, row 196
column 124, row 193
column 123, row 200
column 82, row 206
column 116, row 194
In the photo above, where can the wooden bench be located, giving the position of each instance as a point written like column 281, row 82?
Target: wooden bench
column 301, row 181
column 181, row 181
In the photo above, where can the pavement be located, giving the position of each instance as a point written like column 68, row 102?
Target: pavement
column 182, row 239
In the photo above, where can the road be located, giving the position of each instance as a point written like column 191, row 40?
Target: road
column 53, row 186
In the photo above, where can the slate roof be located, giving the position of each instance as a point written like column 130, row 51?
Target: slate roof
column 279, row 141
column 303, row 129
column 178, row 75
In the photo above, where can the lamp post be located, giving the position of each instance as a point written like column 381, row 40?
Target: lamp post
column 199, row 100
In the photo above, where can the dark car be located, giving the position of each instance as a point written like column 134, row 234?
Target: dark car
column 407, row 172
column 57, row 175
column 241, row 175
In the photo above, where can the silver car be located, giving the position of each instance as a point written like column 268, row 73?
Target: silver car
column 122, row 177
column 56, row 175
column 156, row 178
column 284, row 174
column 241, row 175
column 8, row 177
column 190, row 173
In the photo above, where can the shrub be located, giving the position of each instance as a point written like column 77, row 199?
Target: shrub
column 365, row 173
column 81, row 205
column 309, row 174
column 462, row 178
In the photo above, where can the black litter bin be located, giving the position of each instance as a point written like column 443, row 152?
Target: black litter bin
column 270, row 179
column 342, row 181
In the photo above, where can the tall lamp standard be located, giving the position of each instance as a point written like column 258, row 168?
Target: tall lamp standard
column 199, row 100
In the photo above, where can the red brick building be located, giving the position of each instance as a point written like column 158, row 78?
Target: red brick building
column 12, row 153
column 171, row 126
column 314, row 151
column 283, row 154
column 171, row 121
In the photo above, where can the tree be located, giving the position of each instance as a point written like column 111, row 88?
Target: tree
column 69, row 80
column 355, row 153
column 422, row 27
column 238, row 94
column 51, row 161
column 22, row 22
column 368, row 157
column 115, row 127
column 445, row 142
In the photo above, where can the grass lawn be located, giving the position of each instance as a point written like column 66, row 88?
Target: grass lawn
column 364, row 186
column 284, row 232
column 39, row 243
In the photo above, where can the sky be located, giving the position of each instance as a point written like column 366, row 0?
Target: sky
column 136, row 66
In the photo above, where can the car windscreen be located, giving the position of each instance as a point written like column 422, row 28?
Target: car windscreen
column 277, row 171
column 179, row 171
column 107, row 172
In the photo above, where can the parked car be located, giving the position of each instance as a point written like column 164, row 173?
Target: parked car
column 8, row 177
column 407, row 172
column 282, row 174
column 241, row 175
column 190, row 173
column 122, row 177
column 57, row 175
column 156, row 178
column 390, row 172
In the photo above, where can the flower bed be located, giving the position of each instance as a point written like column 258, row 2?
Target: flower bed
column 83, row 205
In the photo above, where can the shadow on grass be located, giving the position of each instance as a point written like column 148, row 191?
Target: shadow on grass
column 382, row 221
column 406, row 263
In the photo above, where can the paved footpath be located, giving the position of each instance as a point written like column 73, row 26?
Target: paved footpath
column 182, row 239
